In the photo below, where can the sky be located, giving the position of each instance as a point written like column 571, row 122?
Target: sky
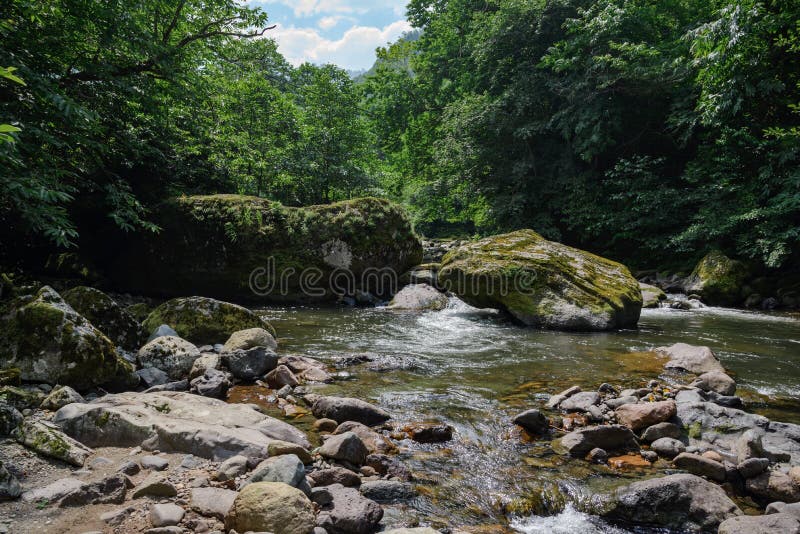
column 341, row 32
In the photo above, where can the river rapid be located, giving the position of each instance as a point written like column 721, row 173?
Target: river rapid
column 474, row 370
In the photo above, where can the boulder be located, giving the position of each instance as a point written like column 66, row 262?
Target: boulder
column 375, row 442
column 107, row 316
column 346, row 511
column 752, row 467
column 429, row 432
column 203, row 320
column 342, row 409
column 700, row 465
column 643, row 414
column 680, row 502
column 607, row 437
column 543, row 283
column 761, row 524
column 271, row 507
column 281, row 376
column 419, row 297
column 238, row 247
column 48, row 341
column 46, row 439
column 156, row 463
column 60, row 397
column 717, row 382
column 580, row 402
column 213, row 383
column 20, row 398
column 251, row 363
column 347, row 447
column 387, row 491
column 652, row 296
column 783, row 508
column 661, row 430
column 691, row 358
column 207, row 360
column 53, row 492
column 250, row 338
column 166, row 514
column 231, row 468
column 172, row 355
column 414, row 530
column 286, row 468
column 717, row 279
column 152, row 376
column 109, row 490
column 10, row 418
column 9, row 485
column 772, row 486
column 668, row 447
column 279, row 448
column 720, row 426
column 334, row 475
column 533, row 421
column 155, row 485
column 212, row 502
column 162, row 330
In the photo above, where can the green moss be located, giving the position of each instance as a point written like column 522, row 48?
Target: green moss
column 10, row 377
column 718, row 279
column 20, row 398
column 695, row 430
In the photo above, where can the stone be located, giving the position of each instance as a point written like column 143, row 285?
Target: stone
column 429, row 432
column 750, row 445
column 652, row 296
column 53, row 492
column 155, row 485
column 278, row 448
column 762, row 524
column 9, row 485
column 533, row 421
column 621, row 401
column 106, row 315
column 109, row 490
column 680, row 502
column 597, row 456
column 347, row 447
column 387, row 491
column 165, row 515
column 608, row 437
column 287, row 469
column 580, row 402
column 48, row 341
column 161, row 331
column 345, row 510
column 690, row 358
column 250, row 338
column 60, row 397
column 415, row 530
column 212, row 502
column 281, row 376
column 47, row 440
column 172, row 355
column 542, row 283
column 783, row 508
column 115, row 517
column 231, row 468
column 556, row 400
column 207, row 360
column 342, row 409
column 717, row 382
column 10, row 418
column 419, row 297
column 164, row 530
column 251, row 363
column 668, row 447
column 204, row 320
column 700, row 465
column 271, row 507
column 375, row 442
column 752, row 467
column 334, row 475
column 772, row 486
column 152, row 376
column 644, row 414
column 661, row 430
column 129, row 468
column 156, row 463
column 175, row 422
column 212, row 383
column 325, row 425
column 717, row 279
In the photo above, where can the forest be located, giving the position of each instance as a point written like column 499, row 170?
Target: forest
column 648, row 130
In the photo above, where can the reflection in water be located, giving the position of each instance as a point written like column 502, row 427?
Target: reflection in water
column 474, row 370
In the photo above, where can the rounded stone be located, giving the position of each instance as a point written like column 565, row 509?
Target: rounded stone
column 271, row 507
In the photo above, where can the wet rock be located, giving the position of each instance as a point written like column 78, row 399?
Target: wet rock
column 152, row 376
column 419, row 297
column 281, row 376
column 212, row 502
column 556, row 400
column 10, row 418
column 251, row 363
column 764, row 524
column 172, row 355
column 415, row 530
column 155, row 485
column 580, row 402
column 691, row 358
column 231, row 468
column 609, row 437
column 287, row 469
column 206, row 361
column 701, row 466
column 278, row 448
column 315, row 374
column 773, row 486
column 342, row 409
column 107, row 316
column 650, row 456
column 250, row 338
column 714, row 424
column 271, row 507
column 429, row 432
column 375, row 442
column 533, row 421
column 717, row 382
column 347, row 447
column 620, row 401
column 334, row 475
column 387, row 491
column 110, row 490
column 661, row 430
column 597, row 456
column 46, row 439
column 325, row 425
column 652, row 296
column 60, row 397
column 212, row 383
column 348, row 512
column 752, row 467
column 642, row 415
column 681, row 502
column 156, row 463
column 668, row 447
column 164, row 515
column 9, row 485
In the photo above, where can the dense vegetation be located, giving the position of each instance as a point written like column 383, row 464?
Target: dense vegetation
column 650, row 130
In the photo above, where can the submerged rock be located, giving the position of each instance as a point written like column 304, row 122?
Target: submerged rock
column 533, row 421
column 718, row 279
column 419, row 297
column 271, row 507
column 342, row 409
column 543, row 283
column 108, row 316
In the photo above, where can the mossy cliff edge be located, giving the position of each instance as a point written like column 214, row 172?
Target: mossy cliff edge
column 212, row 245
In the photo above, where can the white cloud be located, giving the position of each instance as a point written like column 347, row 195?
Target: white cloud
column 354, row 51
column 305, row 8
column 326, row 23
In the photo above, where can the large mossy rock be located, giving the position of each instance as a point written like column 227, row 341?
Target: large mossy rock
column 543, row 283
column 718, row 279
column 49, row 342
column 203, row 320
column 108, row 316
column 214, row 245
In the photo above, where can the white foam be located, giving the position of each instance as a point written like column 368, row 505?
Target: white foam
column 570, row 521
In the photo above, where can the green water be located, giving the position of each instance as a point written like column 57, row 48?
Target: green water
column 475, row 370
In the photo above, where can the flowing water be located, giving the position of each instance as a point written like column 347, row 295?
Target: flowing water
column 474, row 370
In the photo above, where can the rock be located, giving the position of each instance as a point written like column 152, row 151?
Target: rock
column 750, row 445
column 9, row 485
column 661, row 430
column 21, row 399
column 642, row 415
column 213, row 383
column 152, row 376
column 325, row 425
column 763, row 524
column 608, row 437
column 155, row 485
column 533, row 421
column 718, row 279
column 580, row 402
column 597, row 456
column 60, row 397
column 342, row 409
column 204, row 320
column 178, row 385
column 415, row 530
column 46, row 439
column 701, row 466
column 429, row 432
column 164, row 515
column 279, row 448
column 752, row 467
column 251, row 363
column 48, row 341
column 53, row 492
column 710, row 423
column 652, row 296
column 556, row 400
column 649, row 456
column 10, row 377
column 172, row 355
column 231, row 468
column 156, row 463
column 621, row 401
column 212, row 502
column 129, row 468
column 783, row 508
column 784, row 437
column 387, row 491
column 348, row 512
column 287, row 469
column 107, row 316
column 110, row 490
column 375, row 442
column 419, row 297
column 680, row 502
column 164, row 530
column 10, row 418
column 543, row 283
column 668, row 447
column 161, row 331
column 691, row 358
column 175, row 422
column 207, row 360
column 271, row 507
column 347, row 447
column 115, row 517
column 281, row 376
column 773, row 486
column 717, row 382
column 250, row 338
column 334, row 475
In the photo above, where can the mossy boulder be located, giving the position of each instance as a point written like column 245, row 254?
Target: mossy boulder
column 50, row 342
column 203, row 320
column 717, row 279
column 247, row 248
column 107, row 316
column 543, row 283
column 651, row 295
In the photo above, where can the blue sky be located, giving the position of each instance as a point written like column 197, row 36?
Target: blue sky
column 345, row 33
